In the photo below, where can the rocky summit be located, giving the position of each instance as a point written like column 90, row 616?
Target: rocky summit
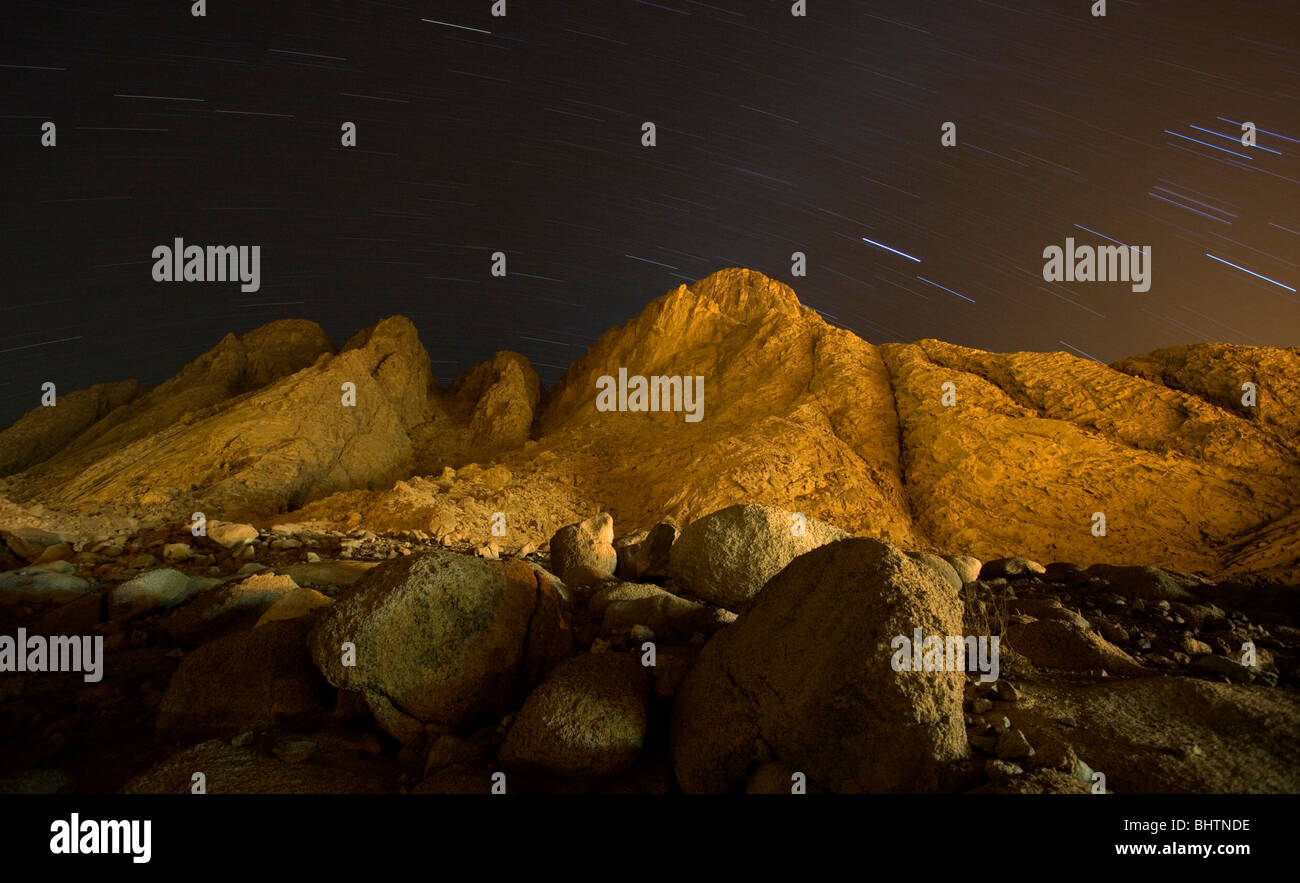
column 735, row 548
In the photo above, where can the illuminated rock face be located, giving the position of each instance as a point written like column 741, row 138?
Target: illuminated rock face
column 1186, row 458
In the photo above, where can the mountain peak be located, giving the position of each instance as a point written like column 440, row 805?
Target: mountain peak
column 786, row 410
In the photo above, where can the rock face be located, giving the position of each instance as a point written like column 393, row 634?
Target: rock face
column 235, row 366
column 43, row 431
column 726, row 557
column 588, row 718
column 486, row 411
column 795, row 413
column 441, row 638
column 805, row 675
column 817, row 433
column 501, row 397
column 289, row 441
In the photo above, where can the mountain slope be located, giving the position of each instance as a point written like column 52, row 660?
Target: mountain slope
column 1018, row 459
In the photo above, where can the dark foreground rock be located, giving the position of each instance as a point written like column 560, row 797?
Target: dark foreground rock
column 804, row 677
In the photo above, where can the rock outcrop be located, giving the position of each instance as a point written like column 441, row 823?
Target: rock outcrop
column 934, row 447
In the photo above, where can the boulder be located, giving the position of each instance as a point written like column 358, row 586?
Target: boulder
column 966, row 567
column 30, row 543
column 36, row 585
column 805, row 677
column 231, row 536
column 242, row 680
column 1064, row 645
column 231, row 770
column 442, row 638
column 726, row 557
column 587, row 719
column 582, row 554
column 226, row 605
column 940, row 566
column 1146, row 583
column 293, row 604
column 155, row 589
column 1010, row 568
column 646, row 556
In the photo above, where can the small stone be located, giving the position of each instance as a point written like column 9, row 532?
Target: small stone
column 177, row 552
column 1006, row 692
column 979, row 706
column 230, row 535
column 641, row 633
column 1111, row 632
column 1001, row 769
column 1010, row 568
column 1012, row 745
column 295, row 751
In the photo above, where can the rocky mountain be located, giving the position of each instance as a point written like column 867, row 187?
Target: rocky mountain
column 401, row 586
column 928, row 445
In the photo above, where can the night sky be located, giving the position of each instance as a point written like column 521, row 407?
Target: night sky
column 523, row 134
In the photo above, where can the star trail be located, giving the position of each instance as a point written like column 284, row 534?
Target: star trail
column 523, row 134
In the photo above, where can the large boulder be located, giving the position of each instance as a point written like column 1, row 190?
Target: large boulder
column 1172, row 734
column 725, row 557
column 1066, row 645
column 582, row 554
column 1146, row 583
column 805, row 678
column 587, row 719
column 442, row 638
column 242, row 680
